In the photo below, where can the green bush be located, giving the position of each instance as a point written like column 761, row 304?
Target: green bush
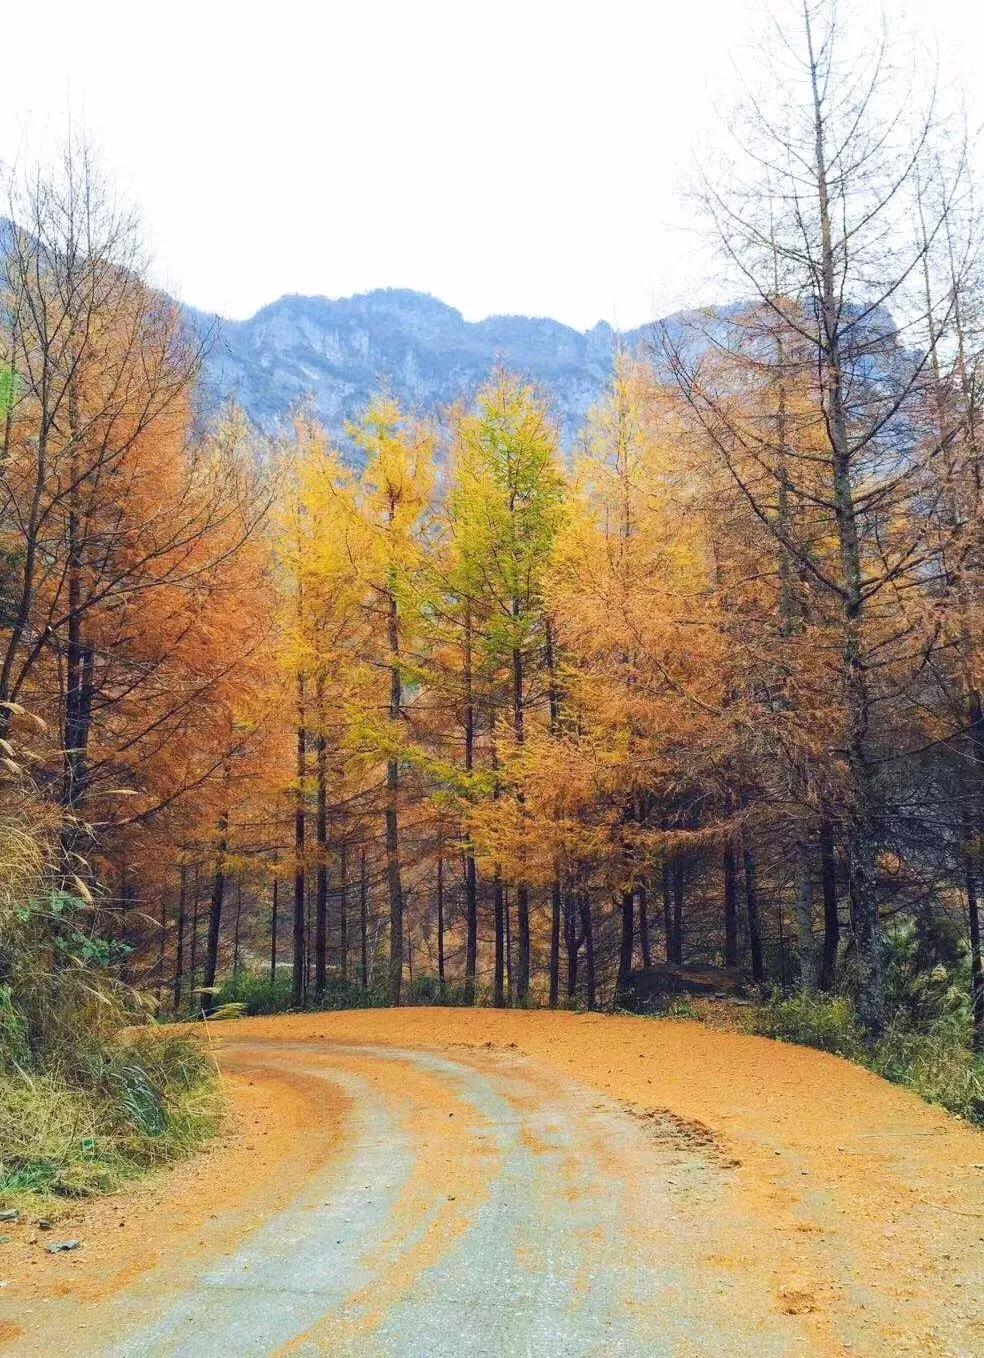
column 938, row 1064
column 143, row 1100
column 258, row 994
column 86, row 1100
column 429, row 990
column 812, row 1019
column 932, row 1056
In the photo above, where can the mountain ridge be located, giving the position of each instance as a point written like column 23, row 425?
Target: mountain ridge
column 334, row 353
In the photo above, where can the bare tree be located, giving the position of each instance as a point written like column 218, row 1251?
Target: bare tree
column 813, row 218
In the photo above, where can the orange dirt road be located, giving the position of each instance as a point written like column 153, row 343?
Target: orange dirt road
column 479, row 1183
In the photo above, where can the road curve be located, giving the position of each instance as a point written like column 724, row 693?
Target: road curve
column 475, row 1200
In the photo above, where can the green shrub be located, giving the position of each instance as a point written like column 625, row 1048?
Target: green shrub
column 429, row 990
column 933, row 1057
column 812, row 1019
column 143, row 1100
column 938, row 1064
column 257, row 992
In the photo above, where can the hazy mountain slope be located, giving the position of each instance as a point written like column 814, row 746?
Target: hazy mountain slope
column 337, row 353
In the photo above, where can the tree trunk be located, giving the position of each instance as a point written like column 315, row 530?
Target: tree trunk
column 298, row 976
column 321, row 836
column 507, row 925
column 215, row 909
column 754, row 920
column 861, row 828
column 645, row 946
column 364, row 919
column 730, row 906
column 471, row 875
column 555, row 913
column 572, row 942
column 440, row 920
column 678, row 885
column 522, row 891
column 669, row 950
column 179, row 943
column 471, row 927
column 394, row 880
column 194, row 1006
column 553, row 694
column 498, row 909
column 975, row 864
column 626, row 939
column 831, row 920
column 976, row 969
column 273, row 929
column 587, row 932
column 805, row 942
column 161, row 945
column 343, row 938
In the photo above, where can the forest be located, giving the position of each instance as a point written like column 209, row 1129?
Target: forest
column 450, row 713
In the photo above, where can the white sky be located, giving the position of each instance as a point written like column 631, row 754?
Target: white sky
column 507, row 156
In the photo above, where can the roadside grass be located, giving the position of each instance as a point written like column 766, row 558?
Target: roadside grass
column 119, row 1107
column 933, row 1058
column 254, row 994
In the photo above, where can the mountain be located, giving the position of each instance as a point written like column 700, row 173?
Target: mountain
column 337, row 353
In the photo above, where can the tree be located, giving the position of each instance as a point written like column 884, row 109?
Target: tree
column 814, row 223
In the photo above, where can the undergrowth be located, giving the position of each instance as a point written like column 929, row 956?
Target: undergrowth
column 254, row 994
column 934, row 1058
column 123, row 1106
column 91, row 1094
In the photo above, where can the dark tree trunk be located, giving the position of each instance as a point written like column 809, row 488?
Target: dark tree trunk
column 215, row 909
column 669, row 948
column 194, row 1005
column 507, row 925
column 679, row 881
column 976, row 969
column 298, row 976
column 78, row 658
column 394, row 879
column 626, row 939
column 861, row 822
column 553, row 694
column 162, row 944
column 555, row 913
column 522, row 891
column 730, row 906
column 440, row 919
column 273, row 928
column 831, row 921
column 179, row 942
column 974, row 834
column 364, row 919
column 754, row 918
column 321, row 836
column 523, row 952
column 587, row 931
column 343, row 938
column 572, row 942
column 471, row 875
column 471, row 926
column 498, row 910
column 645, row 946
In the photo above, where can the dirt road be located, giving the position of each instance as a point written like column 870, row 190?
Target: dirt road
column 443, row 1182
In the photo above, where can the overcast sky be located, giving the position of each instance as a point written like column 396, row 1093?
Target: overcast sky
column 507, row 156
